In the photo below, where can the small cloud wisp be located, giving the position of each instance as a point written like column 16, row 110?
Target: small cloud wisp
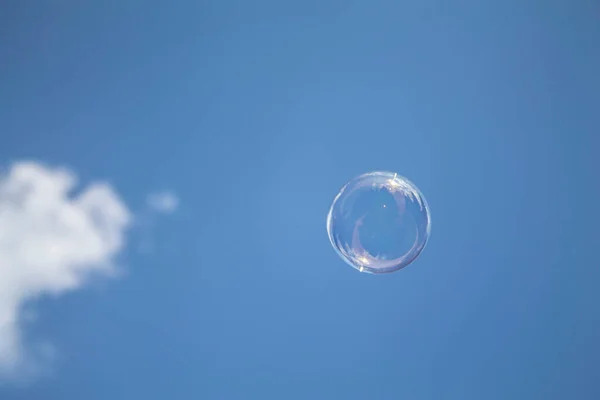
column 163, row 202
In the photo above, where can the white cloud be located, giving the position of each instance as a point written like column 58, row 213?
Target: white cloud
column 164, row 202
column 51, row 241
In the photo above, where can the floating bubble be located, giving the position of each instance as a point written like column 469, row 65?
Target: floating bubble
column 379, row 222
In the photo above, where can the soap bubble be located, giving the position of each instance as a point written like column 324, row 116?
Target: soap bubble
column 379, row 222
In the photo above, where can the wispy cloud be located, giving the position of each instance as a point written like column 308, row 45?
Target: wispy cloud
column 51, row 242
column 163, row 202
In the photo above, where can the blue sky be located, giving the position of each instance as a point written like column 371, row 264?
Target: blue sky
column 254, row 114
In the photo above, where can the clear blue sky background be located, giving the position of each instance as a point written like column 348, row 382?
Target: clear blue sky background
column 256, row 113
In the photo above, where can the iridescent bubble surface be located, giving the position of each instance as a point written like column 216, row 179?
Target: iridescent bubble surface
column 379, row 222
